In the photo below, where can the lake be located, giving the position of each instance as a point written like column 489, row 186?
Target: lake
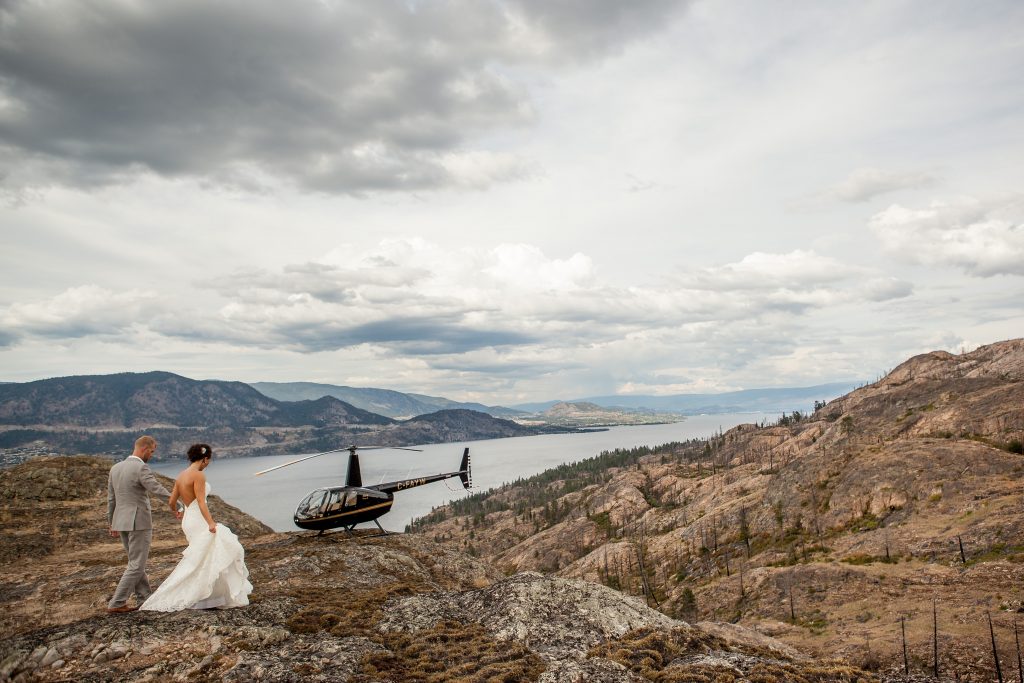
column 272, row 498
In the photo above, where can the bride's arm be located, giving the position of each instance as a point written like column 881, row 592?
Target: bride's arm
column 172, row 502
column 199, row 488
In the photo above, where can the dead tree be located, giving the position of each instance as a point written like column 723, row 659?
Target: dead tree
column 995, row 652
column 1020, row 666
column 906, row 662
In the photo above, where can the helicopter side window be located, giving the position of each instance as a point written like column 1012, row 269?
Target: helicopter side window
column 333, row 501
column 350, row 499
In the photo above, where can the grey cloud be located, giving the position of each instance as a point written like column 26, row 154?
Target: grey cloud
column 579, row 29
column 514, row 368
column 886, row 289
column 324, row 282
column 340, row 97
column 867, row 183
column 398, row 335
column 413, row 336
column 7, row 338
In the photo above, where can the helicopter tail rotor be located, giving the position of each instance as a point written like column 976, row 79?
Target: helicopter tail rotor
column 465, row 474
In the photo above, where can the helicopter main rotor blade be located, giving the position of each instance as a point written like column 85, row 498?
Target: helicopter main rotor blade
column 308, row 457
column 387, row 448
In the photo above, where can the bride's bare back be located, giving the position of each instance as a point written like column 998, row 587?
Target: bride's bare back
column 190, row 484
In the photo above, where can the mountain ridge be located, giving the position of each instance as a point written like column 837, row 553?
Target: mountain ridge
column 105, row 413
column 394, row 404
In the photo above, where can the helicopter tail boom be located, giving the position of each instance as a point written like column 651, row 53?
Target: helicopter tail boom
column 463, row 473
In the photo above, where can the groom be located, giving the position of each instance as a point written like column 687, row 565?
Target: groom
column 130, row 517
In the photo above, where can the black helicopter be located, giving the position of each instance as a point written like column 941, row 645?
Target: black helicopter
column 351, row 504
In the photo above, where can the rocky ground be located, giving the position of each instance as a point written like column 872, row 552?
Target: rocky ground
column 822, row 530
column 332, row 608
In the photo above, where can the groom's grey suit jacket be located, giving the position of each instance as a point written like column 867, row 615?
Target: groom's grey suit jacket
column 127, row 502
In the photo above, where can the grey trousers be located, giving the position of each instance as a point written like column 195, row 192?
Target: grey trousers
column 136, row 544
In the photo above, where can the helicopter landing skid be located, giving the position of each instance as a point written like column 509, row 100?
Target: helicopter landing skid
column 383, row 531
column 350, row 532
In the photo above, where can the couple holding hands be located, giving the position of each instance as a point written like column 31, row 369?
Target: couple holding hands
column 211, row 572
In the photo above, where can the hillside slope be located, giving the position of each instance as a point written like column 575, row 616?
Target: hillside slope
column 822, row 530
column 332, row 608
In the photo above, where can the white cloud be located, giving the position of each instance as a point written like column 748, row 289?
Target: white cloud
column 982, row 238
column 798, row 269
column 81, row 311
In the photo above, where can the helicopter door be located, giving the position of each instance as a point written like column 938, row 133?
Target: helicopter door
column 333, row 501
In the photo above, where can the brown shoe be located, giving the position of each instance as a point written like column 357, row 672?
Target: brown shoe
column 121, row 609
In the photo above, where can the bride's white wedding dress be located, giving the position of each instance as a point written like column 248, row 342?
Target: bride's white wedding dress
column 211, row 573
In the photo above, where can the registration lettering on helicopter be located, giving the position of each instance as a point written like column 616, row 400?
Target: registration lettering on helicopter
column 411, row 483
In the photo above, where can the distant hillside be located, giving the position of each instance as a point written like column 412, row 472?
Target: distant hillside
column 440, row 403
column 584, row 414
column 822, row 530
column 746, row 401
column 105, row 413
column 382, row 401
column 463, row 425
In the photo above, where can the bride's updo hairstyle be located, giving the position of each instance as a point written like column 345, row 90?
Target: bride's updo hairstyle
column 198, row 451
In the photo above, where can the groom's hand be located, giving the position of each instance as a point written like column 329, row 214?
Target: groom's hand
column 113, row 533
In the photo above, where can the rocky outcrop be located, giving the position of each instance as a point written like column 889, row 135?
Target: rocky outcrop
column 557, row 618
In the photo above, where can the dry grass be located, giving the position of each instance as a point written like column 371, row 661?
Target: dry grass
column 451, row 651
column 345, row 613
column 654, row 654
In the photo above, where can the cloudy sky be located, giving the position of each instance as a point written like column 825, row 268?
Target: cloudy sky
column 508, row 200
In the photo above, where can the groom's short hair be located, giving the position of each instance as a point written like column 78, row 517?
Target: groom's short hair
column 144, row 441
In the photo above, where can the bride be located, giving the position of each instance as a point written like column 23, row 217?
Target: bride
column 212, row 571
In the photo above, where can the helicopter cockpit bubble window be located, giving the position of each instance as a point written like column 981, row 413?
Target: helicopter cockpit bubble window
column 310, row 505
